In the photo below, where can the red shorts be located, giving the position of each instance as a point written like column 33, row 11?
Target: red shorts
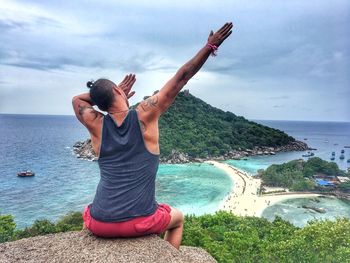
column 139, row 226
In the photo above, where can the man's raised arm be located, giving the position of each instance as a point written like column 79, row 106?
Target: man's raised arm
column 82, row 105
column 157, row 104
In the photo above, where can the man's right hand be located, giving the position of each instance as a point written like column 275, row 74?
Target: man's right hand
column 219, row 36
column 154, row 106
column 127, row 84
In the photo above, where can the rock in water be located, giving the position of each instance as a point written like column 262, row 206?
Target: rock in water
column 82, row 246
column 84, row 150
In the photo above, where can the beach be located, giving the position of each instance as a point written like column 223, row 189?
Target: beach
column 244, row 198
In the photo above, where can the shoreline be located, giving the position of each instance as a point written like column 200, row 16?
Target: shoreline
column 84, row 150
column 244, row 198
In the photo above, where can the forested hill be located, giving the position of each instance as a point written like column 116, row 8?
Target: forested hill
column 194, row 127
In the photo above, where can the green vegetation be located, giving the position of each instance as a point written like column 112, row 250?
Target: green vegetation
column 297, row 174
column 194, row 127
column 229, row 238
column 70, row 222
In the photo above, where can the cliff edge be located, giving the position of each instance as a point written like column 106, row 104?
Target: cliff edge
column 82, row 246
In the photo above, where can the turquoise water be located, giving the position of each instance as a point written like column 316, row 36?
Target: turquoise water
column 193, row 188
column 292, row 210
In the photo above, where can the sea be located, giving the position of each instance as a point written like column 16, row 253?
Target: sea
column 64, row 183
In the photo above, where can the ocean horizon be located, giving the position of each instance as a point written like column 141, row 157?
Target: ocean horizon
column 255, row 120
column 63, row 183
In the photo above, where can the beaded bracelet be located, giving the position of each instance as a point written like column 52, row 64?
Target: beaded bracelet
column 213, row 49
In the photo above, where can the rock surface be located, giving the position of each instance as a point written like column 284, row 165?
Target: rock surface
column 82, row 246
column 84, row 150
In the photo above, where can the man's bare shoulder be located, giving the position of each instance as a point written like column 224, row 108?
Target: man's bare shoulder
column 92, row 119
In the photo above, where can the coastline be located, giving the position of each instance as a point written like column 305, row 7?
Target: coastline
column 244, row 198
column 84, row 150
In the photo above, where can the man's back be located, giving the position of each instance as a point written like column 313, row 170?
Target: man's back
column 128, row 171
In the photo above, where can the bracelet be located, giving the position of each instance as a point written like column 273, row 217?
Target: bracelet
column 213, row 49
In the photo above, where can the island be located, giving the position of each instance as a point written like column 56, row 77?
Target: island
column 194, row 131
column 251, row 194
column 314, row 175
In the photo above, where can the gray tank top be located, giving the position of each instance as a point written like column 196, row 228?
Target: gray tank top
column 128, row 171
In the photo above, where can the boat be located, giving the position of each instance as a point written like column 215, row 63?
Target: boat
column 305, row 139
column 348, row 161
column 333, row 153
column 347, row 146
column 342, row 157
column 343, row 151
column 26, row 173
column 332, row 158
column 308, row 154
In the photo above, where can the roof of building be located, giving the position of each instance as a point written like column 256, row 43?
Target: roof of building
column 324, row 182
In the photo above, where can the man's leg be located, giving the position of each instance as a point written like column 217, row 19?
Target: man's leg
column 174, row 230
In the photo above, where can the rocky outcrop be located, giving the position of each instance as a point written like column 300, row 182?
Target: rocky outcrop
column 84, row 150
column 176, row 157
column 82, row 246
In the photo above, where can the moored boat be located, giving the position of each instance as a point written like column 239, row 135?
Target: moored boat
column 308, row 154
column 342, row 157
column 26, row 173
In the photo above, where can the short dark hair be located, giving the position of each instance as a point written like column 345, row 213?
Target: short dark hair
column 101, row 93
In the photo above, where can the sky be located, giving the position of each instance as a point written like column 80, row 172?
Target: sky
column 285, row 60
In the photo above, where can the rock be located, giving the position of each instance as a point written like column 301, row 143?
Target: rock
column 82, row 246
column 84, row 150
column 176, row 157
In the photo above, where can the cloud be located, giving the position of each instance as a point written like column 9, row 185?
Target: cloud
column 288, row 52
column 278, row 106
column 283, row 97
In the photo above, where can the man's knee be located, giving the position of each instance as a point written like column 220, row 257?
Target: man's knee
column 177, row 218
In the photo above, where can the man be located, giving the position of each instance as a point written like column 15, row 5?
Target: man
column 126, row 143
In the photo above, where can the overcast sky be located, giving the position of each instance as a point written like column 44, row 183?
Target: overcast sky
column 285, row 60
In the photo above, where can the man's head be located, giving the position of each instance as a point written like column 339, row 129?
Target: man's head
column 104, row 92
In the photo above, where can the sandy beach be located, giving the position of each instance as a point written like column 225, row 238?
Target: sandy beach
column 244, row 198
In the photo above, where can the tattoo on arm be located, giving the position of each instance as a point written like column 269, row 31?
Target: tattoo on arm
column 82, row 109
column 149, row 103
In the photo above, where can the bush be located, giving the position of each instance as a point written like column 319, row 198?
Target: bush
column 72, row 221
column 7, row 228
